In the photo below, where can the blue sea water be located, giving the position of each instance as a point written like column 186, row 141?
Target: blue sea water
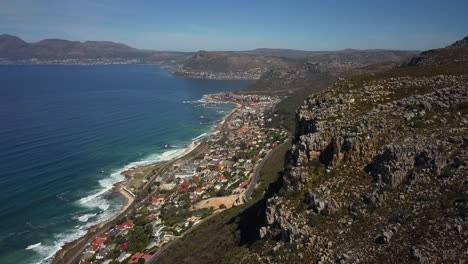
column 67, row 131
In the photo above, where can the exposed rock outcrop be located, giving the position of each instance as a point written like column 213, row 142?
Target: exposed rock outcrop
column 378, row 172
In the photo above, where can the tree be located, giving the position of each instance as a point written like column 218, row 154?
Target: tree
column 141, row 261
column 243, row 145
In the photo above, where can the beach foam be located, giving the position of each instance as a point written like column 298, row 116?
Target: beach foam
column 200, row 136
column 47, row 249
column 97, row 200
column 33, row 246
column 85, row 217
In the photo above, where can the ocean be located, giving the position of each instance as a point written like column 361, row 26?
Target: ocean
column 66, row 133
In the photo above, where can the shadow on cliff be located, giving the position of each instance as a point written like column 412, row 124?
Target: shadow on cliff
column 252, row 218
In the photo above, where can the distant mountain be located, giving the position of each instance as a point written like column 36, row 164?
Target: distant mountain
column 252, row 64
column 454, row 53
column 326, row 66
column 13, row 48
column 284, row 53
column 203, row 64
column 354, row 55
column 230, row 61
column 290, row 79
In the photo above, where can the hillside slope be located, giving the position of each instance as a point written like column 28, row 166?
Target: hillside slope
column 455, row 53
column 229, row 65
column 378, row 171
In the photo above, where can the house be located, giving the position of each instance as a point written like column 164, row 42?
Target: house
column 182, row 190
column 126, row 225
column 198, row 191
column 208, row 184
column 183, row 175
column 221, row 179
column 102, row 254
column 98, row 243
column 137, row 256
column 244, row 183
column 124, row 246
column 159, row 200
column 123, row 256
column 157, row 230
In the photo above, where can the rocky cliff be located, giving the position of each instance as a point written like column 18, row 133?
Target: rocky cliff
column 378, row 172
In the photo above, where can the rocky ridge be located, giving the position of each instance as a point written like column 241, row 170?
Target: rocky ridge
column 378, row 173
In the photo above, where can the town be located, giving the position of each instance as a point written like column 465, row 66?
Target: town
column 220, row 172
column 251, row 74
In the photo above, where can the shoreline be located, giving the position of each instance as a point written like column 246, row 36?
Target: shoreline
column 120, row 188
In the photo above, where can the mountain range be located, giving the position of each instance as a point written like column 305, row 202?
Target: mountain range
column 203, row 64
column 14, row 49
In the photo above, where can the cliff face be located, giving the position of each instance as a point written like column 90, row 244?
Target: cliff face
column 378, row 172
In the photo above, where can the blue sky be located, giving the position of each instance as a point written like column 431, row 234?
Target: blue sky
column 240, row 25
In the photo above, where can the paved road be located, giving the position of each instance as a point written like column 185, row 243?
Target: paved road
column 257, row 172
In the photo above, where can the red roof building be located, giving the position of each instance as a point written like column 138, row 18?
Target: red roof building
column 126, row 225
column 124, row 246
column 244, row 183
column 182, row 190
column 198, row 191
column 137, row 256
column 221, row 178
column 208, row 184
column 159, row 200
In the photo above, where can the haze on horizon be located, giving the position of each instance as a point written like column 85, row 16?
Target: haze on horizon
column 241, row 25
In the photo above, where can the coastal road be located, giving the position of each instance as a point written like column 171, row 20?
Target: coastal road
column 257, row 171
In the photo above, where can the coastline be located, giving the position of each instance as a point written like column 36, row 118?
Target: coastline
column 120, row 188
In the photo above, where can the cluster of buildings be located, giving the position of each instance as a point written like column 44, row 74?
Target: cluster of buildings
column 224, row 167
column 252, row 74
column 82, row 61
